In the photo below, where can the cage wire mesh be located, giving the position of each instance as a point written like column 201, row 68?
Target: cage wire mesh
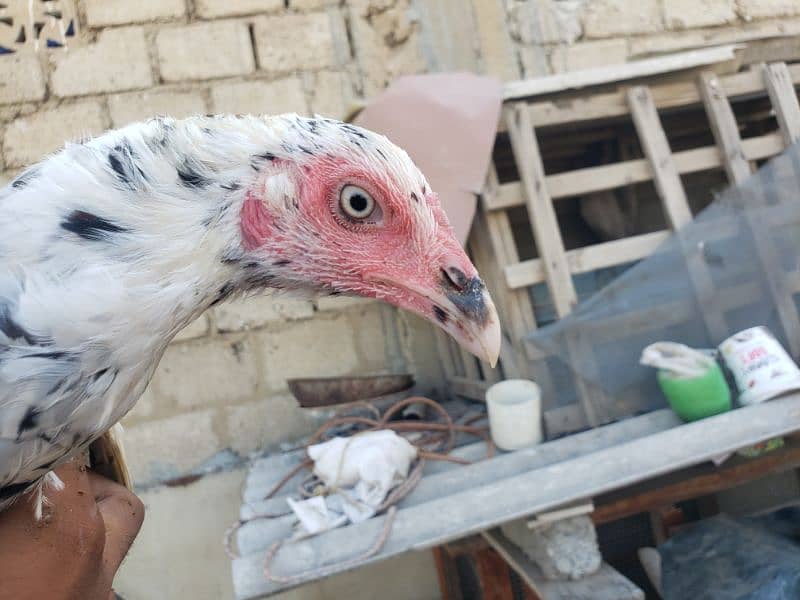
column 736, row 265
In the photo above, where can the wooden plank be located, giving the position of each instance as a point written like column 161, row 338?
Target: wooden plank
column 589, row 258
column 493, row 247
column 541, row 213
column 724, row 128
column 575, row 80
column 592, row 107
column 493, row 575
column 780, row 88
column 445, row 354
column 496, row 227
column 443, row 478
column 537, row 490
column 606, row 177
column 606, row 584
column 468, row 388
column 711, row 480
column 470, row 363
column 656, row 148
column 447, row 573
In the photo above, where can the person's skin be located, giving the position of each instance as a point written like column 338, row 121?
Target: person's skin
column 74, row 552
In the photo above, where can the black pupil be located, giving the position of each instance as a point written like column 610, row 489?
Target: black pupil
column 358, row 202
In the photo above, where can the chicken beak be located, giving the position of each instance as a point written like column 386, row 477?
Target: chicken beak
column 459, row 304
column 467, row 313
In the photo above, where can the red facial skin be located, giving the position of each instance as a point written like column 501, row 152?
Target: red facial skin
column 396, row 256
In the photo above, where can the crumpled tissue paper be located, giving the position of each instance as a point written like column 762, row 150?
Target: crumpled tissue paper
column 358, row 473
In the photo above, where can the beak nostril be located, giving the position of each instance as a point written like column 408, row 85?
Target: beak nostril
column 455, row 278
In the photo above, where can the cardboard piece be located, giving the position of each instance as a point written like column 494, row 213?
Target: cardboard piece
column 447, row 123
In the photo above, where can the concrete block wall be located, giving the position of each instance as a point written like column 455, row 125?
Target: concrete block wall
column 553, row 36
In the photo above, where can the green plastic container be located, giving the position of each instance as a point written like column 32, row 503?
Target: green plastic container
column 696, row 397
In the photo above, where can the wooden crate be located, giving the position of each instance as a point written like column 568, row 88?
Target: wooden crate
column 659, row 135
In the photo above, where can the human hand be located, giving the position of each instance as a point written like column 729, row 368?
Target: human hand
column 74, row 552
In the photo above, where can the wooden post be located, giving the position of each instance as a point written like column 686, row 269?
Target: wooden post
column 781, row 92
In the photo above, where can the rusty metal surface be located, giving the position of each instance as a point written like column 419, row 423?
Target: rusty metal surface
column 329, row 391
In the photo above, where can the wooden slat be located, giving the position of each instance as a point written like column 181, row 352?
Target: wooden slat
column 605, row 584
column 784, row 100
column 467, row 387
column 516, row 90
column 493, row 247
column 541, row 213
column 445, row 354
column 724, row 128
column 493, row 575
column 469, row 362
column 479, row 508
column 603, row 105
column 658, row 153
column 496, row 228
column 606, row 177
column 710, row 480
column 726, row 134
column 589, row 258
column 447, row 573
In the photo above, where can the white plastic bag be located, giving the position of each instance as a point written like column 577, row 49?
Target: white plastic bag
column 677, row 359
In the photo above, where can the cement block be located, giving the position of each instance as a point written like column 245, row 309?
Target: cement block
column 332, row 93
column 385, row 41
column 213, row 9
column 311, row 348
column 267, row 423
column 293, row 42
column 695, row 38
column 609, row 18
column 496, row 45
column 117, row 61
column 208, row 372
column 565, row 549
column 205, row 51
column 761, row 9
column 21, row 79
column 306, row 5
column 260, row 97
column 257, row 311
column 9, row 112
column 179, row 551
column 540, row 22
column 588, row 55
column 128, row 108
column 165, row 448
column 100, row 13
column 29, row 139
column 686, row 14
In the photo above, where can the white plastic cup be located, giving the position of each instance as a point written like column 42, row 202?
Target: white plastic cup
column 515, row 413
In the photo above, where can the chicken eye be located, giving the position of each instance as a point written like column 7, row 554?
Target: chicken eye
column 356, row 203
